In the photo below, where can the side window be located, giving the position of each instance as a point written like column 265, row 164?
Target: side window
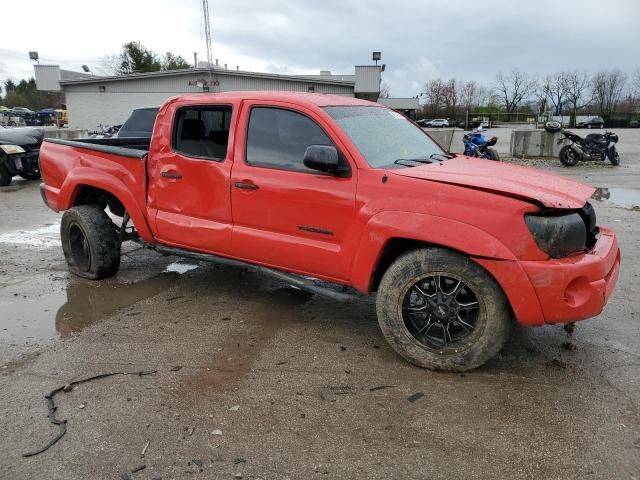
column 202, row 131
column 278, row 138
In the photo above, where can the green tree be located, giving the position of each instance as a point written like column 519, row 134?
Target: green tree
column 26, row 94
column 136, row 58
column 172, row 61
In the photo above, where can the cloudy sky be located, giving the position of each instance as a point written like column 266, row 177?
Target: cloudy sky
column 419, row 39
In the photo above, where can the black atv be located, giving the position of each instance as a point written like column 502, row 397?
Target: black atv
column 19, row 151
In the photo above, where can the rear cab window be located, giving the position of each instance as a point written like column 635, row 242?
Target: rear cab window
column 202, row 131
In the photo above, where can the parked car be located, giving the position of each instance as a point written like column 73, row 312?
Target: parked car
column 139, row 124
column 22, row 111
column 423, row 123
column 438, row 123
column 325, row 191
column 593, row 122
column 19, row 150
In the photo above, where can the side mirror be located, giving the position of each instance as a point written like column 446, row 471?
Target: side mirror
column 323, row 158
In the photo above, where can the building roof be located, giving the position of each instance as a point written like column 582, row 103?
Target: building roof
column 317, row 99
column 205, row 72
column 410, row 103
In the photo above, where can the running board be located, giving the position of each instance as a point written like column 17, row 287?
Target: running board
column 298, row 281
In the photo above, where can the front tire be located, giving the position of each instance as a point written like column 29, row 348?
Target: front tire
column 440, row 310
column 89, row 242
column 5, row 176
column 614, row 157
column 568, row 156
column 35, row 175
column 492, row 154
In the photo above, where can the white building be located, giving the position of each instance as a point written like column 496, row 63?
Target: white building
column 92, row 100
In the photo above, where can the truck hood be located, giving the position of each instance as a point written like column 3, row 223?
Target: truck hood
column 530, row 184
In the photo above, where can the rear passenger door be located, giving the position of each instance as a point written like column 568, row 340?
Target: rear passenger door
column 285, row 214
column 189, row 171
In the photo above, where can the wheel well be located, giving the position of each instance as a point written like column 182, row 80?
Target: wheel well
column 391, row 251
column 88, row 195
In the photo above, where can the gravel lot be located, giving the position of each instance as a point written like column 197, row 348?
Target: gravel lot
column 256, row 380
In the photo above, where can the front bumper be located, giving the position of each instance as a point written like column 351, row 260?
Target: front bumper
column 576, row 288
column 563, row 290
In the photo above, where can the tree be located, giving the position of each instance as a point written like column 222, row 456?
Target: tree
column 385, row 90
column 172, row 61
column 136, row 58
column 435, row 93
column 450, row 97
column 26, row 94
column 607, row 88
column 577, row 85
column 110, row 64
column 514, row 89
column 469, row 95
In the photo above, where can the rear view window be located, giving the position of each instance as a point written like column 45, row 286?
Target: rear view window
column 203, row 131
column 278, row 138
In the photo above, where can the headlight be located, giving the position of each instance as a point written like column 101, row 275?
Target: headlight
column 10, row 149
column 558, row 235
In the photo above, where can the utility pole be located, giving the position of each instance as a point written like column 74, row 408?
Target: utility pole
column 207, row 37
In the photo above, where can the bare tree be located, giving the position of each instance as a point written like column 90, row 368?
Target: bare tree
column 385, row 90
column 435, row 94
column 607, row 88
column 109, row 65
column 469, row 95
column 514, row 89
column 450, row 97
column 577, row 87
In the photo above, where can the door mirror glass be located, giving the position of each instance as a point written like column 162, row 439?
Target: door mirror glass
column 322, row 157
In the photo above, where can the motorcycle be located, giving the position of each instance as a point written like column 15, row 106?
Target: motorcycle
column 595, row 146
column 105, row 131
column 476, row 145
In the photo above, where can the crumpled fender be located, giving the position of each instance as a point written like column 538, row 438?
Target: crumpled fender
column 386, row 225
column 88, row 176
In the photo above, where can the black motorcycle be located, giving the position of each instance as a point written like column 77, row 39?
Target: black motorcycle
column 595, row 146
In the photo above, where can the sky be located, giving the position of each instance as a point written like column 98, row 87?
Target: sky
column 419, row 40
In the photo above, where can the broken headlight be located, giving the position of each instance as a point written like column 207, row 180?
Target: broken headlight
column 558, row 234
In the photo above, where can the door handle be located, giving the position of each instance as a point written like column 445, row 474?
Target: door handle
column 246, row 186
column 172, row 175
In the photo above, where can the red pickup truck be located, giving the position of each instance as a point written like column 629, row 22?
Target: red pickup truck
column 339, row 195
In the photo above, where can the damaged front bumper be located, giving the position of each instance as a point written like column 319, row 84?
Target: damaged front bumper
column 560, row 290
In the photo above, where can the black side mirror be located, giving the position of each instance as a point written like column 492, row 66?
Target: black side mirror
column 324, row 158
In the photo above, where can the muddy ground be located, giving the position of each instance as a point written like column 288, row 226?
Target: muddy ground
column 258, row 380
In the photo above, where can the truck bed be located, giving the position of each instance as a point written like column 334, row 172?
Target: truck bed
column 126, row 147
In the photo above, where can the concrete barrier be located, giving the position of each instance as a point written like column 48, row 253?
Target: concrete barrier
column 444, row 136
column 65, row 133
column 535, row 143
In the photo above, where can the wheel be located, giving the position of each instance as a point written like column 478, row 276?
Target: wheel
column 5, row 176
column 552, row 126
column 602, row 125
column 492, row 154
column 12, row 123
column 568, row 157
column 440, row 310
column 614, row 156
column 589, row 125
column 35, row 175
column 89, row 242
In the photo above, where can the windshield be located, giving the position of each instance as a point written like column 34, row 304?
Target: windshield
column 384, row 136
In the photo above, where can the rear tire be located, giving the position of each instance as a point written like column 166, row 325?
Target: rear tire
column 487, row 322
column 492, row 154
column 568, row 157
column 5, row 176
column 89, row 242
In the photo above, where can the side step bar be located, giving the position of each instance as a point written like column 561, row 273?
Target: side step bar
column 298, row 281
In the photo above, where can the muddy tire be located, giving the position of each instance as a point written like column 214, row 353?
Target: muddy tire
column 5, row 176
column 89, row 242
column 568, row 157
column 428, row 288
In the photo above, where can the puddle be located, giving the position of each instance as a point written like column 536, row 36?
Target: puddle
column 43, row 237
column 619, row 197
column 74, row 308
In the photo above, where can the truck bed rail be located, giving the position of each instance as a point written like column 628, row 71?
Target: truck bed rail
column 124, row 147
